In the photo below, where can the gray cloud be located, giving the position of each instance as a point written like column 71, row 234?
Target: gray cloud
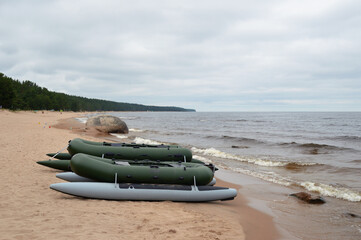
column 208, row 55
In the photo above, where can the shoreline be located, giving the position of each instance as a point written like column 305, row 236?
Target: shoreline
column 30, row 210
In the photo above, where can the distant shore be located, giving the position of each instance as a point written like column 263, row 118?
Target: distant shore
column 29, row 209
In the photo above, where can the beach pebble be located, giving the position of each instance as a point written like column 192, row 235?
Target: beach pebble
column 107, row 124
column 306, row 197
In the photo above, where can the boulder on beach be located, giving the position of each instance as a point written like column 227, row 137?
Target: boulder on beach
column 306, row 197
column 107, row 124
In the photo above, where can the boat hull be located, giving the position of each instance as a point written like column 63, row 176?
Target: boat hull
column 145, row 192
column 160, row 153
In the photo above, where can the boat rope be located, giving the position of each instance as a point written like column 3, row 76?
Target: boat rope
column 52, row 158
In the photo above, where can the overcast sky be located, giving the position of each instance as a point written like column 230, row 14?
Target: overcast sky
column 209, row 55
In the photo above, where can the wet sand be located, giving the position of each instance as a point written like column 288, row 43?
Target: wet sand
column 30, row 210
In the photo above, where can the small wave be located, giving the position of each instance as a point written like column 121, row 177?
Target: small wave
column 203, row 159
column 236, row 139
column 139, row 140
column 348, row 138
column 323, row 189
column 313, row 148
column 331, row 191
column 310, row 145
column 267, row 176
column 242, row 139
column 261, row 162
column 135, row 130
column 356, row 161
column 82, row 119
column 249, row 120
column 121, row 136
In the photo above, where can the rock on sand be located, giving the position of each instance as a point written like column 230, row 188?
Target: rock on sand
column 107, row 124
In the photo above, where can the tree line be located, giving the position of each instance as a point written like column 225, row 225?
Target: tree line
column 26, row 95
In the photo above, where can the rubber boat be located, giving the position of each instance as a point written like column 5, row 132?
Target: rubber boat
column 64, row 165
column 145, row 192
column 67, row 156
column 73, row 177
column 104, row 170
column 129, row 144
column 151, row 152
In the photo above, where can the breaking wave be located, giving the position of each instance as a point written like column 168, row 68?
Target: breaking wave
column 203, row 159
column 135, row 130
column 323, row 189
column 121, row 136
column 139, row 140
column 267, row 176
column 261, row 162
column 328, row 190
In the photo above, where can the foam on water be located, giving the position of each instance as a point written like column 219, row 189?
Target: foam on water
column 267, row 176
column 203, row 159
column 135, row 130
column 121, row 136
column 139, row 140
column 327, row 190
column 323, row 189
column 261, row 162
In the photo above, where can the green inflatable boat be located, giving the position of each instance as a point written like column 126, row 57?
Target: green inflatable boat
column 135, row 151
column 105, row 170
column 64, row 164
column 56, row 164
column 129, row 144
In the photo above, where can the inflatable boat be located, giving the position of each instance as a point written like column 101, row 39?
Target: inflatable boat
column 64, row 165
column 56, row 164
column 155, row 172
column 145, row 192
column 151, row 152
column 73, row 177
column 129, row 144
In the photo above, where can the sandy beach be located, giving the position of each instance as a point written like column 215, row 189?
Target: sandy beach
column 30, row 210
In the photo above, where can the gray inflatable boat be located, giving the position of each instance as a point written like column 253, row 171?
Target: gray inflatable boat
column 145, row 192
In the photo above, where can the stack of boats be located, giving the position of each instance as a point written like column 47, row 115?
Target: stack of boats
column 129, row 171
